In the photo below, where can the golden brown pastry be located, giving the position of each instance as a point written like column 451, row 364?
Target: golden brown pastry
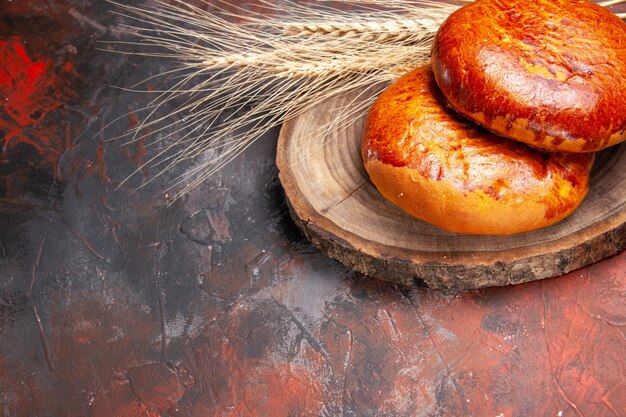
column 429, row 161
column 549, row 73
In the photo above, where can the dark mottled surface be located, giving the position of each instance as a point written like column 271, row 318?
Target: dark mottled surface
column 113, row 303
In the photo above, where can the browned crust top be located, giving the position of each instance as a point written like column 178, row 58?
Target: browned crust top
column 409, row 126
column 550, row 73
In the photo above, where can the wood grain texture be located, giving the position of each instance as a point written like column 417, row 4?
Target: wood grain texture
column 340, row 211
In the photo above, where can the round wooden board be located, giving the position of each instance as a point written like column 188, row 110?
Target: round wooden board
column 339, row 210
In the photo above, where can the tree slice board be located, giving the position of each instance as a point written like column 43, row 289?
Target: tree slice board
column 340, row 211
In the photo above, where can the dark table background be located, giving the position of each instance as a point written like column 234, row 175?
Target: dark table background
column 114, row 303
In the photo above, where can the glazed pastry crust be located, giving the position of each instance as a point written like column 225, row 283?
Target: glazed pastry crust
column 429, row 161
column 549, row 73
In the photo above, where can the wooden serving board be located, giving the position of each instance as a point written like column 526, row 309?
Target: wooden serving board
column 339, row 210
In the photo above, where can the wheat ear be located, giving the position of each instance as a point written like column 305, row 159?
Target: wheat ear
column 279, row 66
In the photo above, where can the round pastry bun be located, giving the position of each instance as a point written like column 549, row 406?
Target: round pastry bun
column 549, row 73
column 427, row 160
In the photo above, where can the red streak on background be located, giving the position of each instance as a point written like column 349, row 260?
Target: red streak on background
column 19, row 81
column 30, row 90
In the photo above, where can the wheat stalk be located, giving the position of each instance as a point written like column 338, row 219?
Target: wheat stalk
column 274, row 68
column 383, row 31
